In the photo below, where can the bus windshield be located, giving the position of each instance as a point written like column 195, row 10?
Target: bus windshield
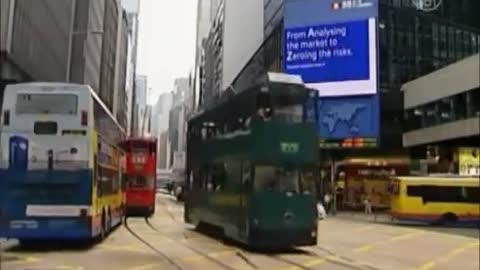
column 140, row 181
column 139, row 147
column 47, row 104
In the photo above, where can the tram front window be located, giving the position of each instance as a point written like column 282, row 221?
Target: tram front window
column 277, row 179
column 308, row 181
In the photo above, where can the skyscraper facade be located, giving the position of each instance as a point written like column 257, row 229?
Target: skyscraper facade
column 412, row 43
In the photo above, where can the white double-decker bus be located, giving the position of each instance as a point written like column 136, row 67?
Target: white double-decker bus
column 60, row 167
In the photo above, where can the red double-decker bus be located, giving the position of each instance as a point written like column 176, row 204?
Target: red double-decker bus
column 141, row 170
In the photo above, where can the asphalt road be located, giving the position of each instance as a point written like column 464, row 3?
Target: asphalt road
column 345, row 242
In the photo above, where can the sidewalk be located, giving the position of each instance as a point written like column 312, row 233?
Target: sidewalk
column 6, row 244
column 381, row 217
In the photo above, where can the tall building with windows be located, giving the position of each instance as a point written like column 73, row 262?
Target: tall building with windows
column 160, row 125
column 132, row 9
column 444, row 105
column 99, row 52
column 230, row 42
column 46, row 24
column 75, row 41
column 87, row 40
column 412, row 43
column 140, row 105
column 206, row 12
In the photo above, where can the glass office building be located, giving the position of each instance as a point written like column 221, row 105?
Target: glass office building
column 445, row 110
column 412, row 43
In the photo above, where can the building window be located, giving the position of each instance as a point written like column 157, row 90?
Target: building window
column 451, row 43
column 474, row 103
column 459, row 48
column 443, row 42
column 445, row 110
column 431, row 113
column 414, row 119
column 436, row 40
column 460, row 106
column 474, row 40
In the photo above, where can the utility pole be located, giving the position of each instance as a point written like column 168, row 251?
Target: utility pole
column 333, row 172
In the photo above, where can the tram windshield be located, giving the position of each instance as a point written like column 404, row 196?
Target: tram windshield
column 282, row 179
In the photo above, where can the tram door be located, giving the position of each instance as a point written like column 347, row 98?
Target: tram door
column 246, row 187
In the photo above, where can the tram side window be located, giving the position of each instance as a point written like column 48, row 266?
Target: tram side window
column 264, row 106
column 218, row 176
column 247, row 174
column 233, row 171
column 445, row 194
column 199, row 179
column 308, row 181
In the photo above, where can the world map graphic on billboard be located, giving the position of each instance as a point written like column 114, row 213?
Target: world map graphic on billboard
column 344, row 118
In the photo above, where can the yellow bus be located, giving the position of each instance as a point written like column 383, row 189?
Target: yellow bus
column 436, row 199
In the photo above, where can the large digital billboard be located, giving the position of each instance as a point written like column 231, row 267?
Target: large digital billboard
column 332, row 45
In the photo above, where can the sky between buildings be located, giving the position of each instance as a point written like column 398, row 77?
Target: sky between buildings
column 166, row 42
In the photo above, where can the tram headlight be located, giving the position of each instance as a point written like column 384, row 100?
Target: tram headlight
column 313, row 233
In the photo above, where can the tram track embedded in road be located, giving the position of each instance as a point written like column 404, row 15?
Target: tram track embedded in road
column 164, row 257
column 193, row 249
column 167, row 258
column 341, row 260
column 238, row 252
column 338, row 260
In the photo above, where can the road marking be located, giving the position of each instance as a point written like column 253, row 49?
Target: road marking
column 452, row 254
column 365, row 228
column 363, row 248
column 141, row 249
column 138, row 249
column 68, row 267
column 317, row 261
column 20, row 259
column 144, row 267
column 403, row 236
column 426, row 266
column 312, row 263
column 212, row 255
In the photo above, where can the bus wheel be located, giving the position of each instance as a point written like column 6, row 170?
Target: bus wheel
column 109, row 221
column 103, row 230
column 449, row 218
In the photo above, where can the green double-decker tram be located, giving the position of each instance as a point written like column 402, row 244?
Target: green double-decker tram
column 251, row 166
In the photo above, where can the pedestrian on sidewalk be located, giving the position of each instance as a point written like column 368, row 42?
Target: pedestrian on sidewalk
column 327, row 198
column 368, row 204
